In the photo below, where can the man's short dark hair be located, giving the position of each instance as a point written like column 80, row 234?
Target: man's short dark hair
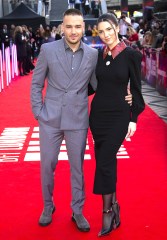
column 73, row 12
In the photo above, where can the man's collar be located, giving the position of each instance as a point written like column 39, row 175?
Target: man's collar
column 68, row 47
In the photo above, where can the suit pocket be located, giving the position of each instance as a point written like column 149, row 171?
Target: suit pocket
column 43, row 115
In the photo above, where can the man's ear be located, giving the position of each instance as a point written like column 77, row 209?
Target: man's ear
column 62, row 28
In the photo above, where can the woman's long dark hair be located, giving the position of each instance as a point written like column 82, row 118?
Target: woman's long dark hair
column 108, row 17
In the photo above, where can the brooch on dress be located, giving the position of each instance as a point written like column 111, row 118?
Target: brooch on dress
column 108, row 62
column 109, row 53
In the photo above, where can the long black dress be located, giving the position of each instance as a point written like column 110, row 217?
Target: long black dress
column 21, row 51
column 110, row 113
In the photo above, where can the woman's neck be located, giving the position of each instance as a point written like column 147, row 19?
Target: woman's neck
column 113, row 45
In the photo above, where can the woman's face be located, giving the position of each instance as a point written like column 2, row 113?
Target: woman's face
column 20, row 29
column 147, row 37
column 108, row 33
column 129, row 32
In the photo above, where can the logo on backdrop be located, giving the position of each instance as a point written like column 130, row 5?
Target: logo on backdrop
column 22, row 144
column 94, row 42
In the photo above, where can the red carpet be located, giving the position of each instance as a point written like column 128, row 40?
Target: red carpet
column 142, row 179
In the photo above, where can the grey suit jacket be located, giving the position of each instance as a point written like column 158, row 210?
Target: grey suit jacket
column 65, row 105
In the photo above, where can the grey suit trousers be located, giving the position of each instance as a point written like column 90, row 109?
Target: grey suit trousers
column 51, row 139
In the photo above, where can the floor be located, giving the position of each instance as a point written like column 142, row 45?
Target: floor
column 156, row 102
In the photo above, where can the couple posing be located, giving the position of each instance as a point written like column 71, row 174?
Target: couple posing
column 68, row 66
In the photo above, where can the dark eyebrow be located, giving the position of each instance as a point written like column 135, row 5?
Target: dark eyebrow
column 79, row 25
column 106, row 28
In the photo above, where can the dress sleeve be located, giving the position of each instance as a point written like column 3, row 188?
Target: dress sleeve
column 138, row 104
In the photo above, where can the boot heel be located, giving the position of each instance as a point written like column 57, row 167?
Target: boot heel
column 116, row 210
column 106, row 231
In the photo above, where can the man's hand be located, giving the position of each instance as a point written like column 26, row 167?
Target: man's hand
column 131, row 130
column 128, row 98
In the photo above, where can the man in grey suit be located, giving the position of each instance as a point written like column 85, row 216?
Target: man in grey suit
column 68, row 66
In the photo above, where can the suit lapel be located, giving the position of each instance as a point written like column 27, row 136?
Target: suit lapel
column 61, row 55
column 84, row 62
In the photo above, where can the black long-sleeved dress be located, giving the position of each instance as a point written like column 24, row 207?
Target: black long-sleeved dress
column 110, row 113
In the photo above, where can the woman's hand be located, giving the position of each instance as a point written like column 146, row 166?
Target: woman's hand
column 128, row 98
column 131, row 129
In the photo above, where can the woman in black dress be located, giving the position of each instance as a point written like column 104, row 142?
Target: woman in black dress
column 20, row 41
column 111, row 117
